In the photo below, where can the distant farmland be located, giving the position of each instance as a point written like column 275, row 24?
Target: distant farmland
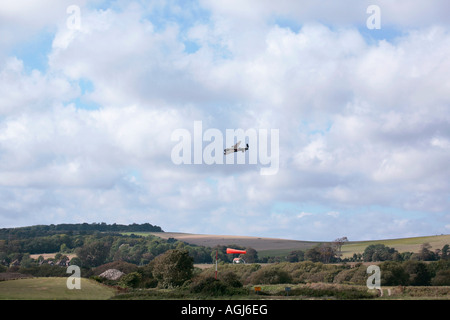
column 401, row 245
column 264, row 246
column 279, row 247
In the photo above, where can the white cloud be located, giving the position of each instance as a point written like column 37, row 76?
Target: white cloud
column 303, row 214
column 333, row 214
column 440, row 142
column 29, row 92
column 362, row 123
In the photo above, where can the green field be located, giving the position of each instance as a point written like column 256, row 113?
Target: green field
column 401, row 245
column 53, row 289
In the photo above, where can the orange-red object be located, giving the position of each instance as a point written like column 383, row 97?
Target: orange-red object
column 230, row 251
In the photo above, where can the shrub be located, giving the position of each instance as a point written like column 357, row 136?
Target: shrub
column 45, row 270
column 209, row 286
column 322, row 290
column 393, row 274
column 345, row 276
column 130, row 280
column 230, row 279
column 173, row 268
column 360, row 275
column 418, row 273
column 442, row 278
column 270, row 275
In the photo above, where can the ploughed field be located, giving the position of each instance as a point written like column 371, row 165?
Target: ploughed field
column 277, row 247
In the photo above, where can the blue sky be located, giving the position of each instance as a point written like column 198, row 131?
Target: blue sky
column 87, row 115
column 34, row 53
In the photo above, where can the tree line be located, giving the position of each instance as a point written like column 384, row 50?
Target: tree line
column 99, row 243
column 327, row 253
column 73, row 228
column 93, row 247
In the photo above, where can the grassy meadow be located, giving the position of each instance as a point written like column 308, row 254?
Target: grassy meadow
column 53, row 288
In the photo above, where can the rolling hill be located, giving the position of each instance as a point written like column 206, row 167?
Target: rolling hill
column 264, row 246
column 412, row 244
column 277, row 247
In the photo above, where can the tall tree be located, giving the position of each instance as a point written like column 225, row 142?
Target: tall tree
column 338, row 243
column 419, row 275
column 251, row 256
column 94, row 253
column 326, row 253
column 445, row 252
column 378, row 252
column 173, row 268
column 313, row 254
column 425, row 253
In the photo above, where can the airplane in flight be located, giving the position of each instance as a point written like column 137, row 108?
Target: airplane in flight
column 235, row 148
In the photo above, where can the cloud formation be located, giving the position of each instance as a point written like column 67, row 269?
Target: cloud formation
column 363, row 116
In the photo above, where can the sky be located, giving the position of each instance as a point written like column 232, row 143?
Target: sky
column 345, row 103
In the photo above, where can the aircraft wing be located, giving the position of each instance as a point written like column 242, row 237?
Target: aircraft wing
column 232, row 149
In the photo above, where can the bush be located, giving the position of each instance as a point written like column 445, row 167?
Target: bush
column 360, row 276
column 130, row 280
column 393, row 274
column 345, row 276
column 45, row 270
column 357, row 275
column 243, row 272
column 418, row 273
column 321, row 276
column 173, row 268
column 442, row 278
column 148, row 281
column 209, row 286
column 230, row 279
column 270, row 275
column 326, row 291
